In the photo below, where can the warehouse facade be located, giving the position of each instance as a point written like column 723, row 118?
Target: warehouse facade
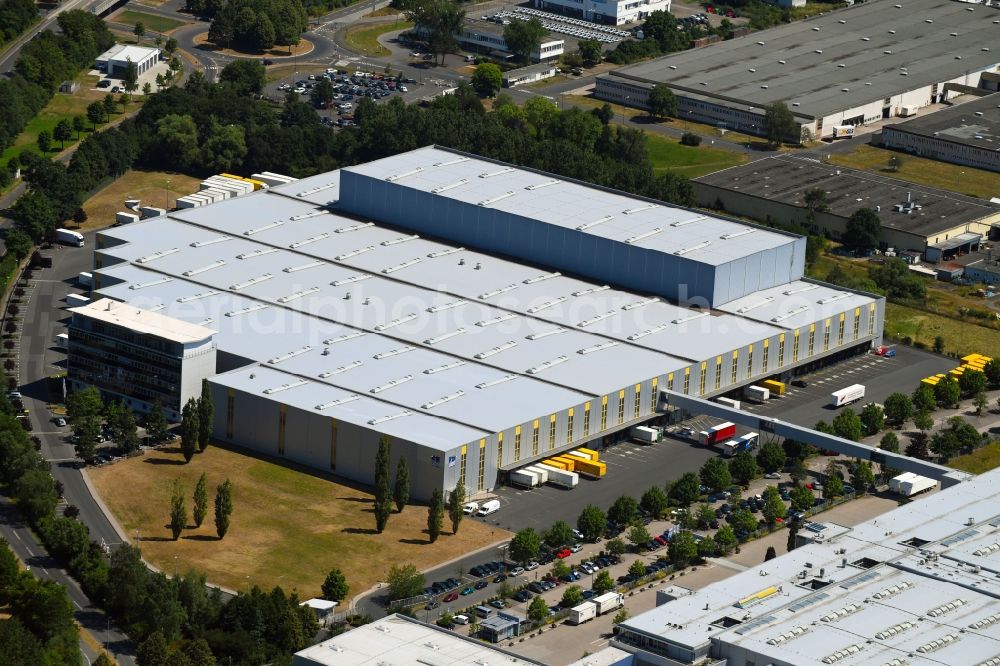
column 341, row 320
column 853, row 66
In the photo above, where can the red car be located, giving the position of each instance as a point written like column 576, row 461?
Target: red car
column 564, row 553
column 451, row 596
column 660, row 540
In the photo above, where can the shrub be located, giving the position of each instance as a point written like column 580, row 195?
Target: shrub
column 690, row 139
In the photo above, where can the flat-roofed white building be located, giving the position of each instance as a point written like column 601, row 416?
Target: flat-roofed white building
column 613, row 12
column 114, row 61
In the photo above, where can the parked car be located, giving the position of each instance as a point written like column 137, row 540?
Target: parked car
column 522, row 596
column 104, row 84
column 480, row 584
column 564, row 553
column 467, row 591
column 516, row 571
column 60, row 421
column 499, row 578
column 575, row 548
column 773, row 475
column 431, row 605
column 451, row 596
column 499, row 604
column 531, row 566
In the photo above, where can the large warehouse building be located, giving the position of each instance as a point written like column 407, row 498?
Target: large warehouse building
column 340, row 317
column 914, row 217
column 848, row 67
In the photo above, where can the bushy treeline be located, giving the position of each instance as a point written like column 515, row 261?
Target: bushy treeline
column 258, row 25
column 15, row 17
column 45, row 62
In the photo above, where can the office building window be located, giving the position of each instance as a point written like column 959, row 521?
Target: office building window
column 702, row 379
column 749, row 361
column 812, row 339
column 718, row 372
column 482, row 463
column 604, row 413
column 552, row 432
column 569, row 426
column 586, row 419
column 795, row 348
column 826, row 335
column 840, row 331
column 534, row 439
column 517, row 443
column 871, row 319
column 767, row 352
column 654, row 397
column 732, row 375
column 499, row 450
column 638, row 399
column 781, row 350
column 621, row 407
column 857, row 322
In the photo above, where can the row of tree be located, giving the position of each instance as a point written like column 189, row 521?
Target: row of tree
column 15, row 17
column 258, row 25
column 223, row 507
column 196, row 423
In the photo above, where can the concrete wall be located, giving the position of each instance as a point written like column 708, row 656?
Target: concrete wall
column 941, row 149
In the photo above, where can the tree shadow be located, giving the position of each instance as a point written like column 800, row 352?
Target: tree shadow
column 416, row 542
column 200, row 537
column 163, row 461
column 157, row 538
column 359, row 500
column 359, row 530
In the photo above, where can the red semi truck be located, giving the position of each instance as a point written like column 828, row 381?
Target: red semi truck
column 718, row 434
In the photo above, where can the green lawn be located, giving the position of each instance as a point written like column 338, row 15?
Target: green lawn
column 980, row 460
column 364, row 38
column 61, row 106
column 959, row 336
column 953, row 177
column 668, row 154
column 150, row 21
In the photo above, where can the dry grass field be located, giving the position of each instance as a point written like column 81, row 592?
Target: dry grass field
column 289, row 526
column 153, row 188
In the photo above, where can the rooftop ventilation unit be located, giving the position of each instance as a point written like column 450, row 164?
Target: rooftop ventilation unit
column 338, row 402
column 257, row 230
column 889, row 632
column 211, row 241
column 499, row 197
column 640, row 304
column 643, row 236
column 306, row 241
column 542, row 277
column 841, row 613
column 686, row 250
column 343, row 338
column 445, row 188
column 390, row 417
column 799, row 290
column 354, row 253
column 444, row 336
column 443, row 399
column 597, row 347
column 350, row 280
column 397, row 241
column 285, row 387
column 849, row 651
column 445, row 306
column 401, row 266
column 306, row 216
column 391, row 384
column 442, row 368
column 545, row 334
column 288, row 355
column 546, row 304
column 260, row 252
column 893, row 590
column 835, row 297
column 691, row 317
column 795, row 632
column 296, row 269
column 149, row 283
column 938, row 611
column 297, row 295
column 315, row 190
column 547, row 364
column 249, row 283
column 538, row 186
column 648, row 331
column 690, row 220
column 392, row 352
column 343, row 368
column 639, row 209
column 753, row 306
column 393, row 178
column 596, row 318
column 396, row 322
column 591, row 225
column 195, row 297
column 444, row 253
column 496, row 320
column 790, row 314
column 457, row 160
column 985, row 622
column 938, row 643
column 353, row 227
column 491, row 174
column 494, row 382
column 510, row 344
column 987, row 550
column 737, row 234
column 156, row 255
column 497, row 292
column 247, row 310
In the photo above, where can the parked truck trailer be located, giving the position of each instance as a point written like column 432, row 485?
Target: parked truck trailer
column 718, row 433
column 583, row 613
column 645, row 434
column 847, row 395
column 608, row 602
column 910, row 484
column 758, row 394
column 561, row 477
column 69, row 237
column 523, row 478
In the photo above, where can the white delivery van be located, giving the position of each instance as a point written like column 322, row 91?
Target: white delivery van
column 470, row 508
column 489, row 507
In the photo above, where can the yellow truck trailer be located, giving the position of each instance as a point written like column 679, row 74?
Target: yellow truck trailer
column 774, row 386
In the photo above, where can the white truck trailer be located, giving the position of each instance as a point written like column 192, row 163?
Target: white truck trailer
column 62, row 340
column 74, row 238
column 543, row 475
column 561, row 478
column 910, row 484
column 645, row 434
column 583, row 613
column 523, row 478
column 85, row 280
column 76, row 300
column 757, row 394
column 728, row 402
column 608, row 601
column 846, row 396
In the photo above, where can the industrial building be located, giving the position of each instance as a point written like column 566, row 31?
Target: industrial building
column 114, row 62
column 915, row 586
column 552, row 317
column 853, row 66
column 966, row 134
column 404, row 641
column 480, row 35
column 525, row 75
column 914, row 217
column 615, row 12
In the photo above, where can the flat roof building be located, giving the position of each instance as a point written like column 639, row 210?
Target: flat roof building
column 847, row 67
column 615, row 12
column 967, row 134
column 341, row 318
column 114, row 61
column 913, row 216
column 916, row 585
column 485, row 36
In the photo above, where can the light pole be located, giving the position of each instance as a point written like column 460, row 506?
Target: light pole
column 623, row 109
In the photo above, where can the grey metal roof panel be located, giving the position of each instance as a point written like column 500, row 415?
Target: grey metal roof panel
column 809, row 63
column 615, row 216
column 973, row 123
column 797, row 304
column 322, row 189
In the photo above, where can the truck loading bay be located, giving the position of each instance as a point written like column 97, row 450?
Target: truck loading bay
column 634, row 467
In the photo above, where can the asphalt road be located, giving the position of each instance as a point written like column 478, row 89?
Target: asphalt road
column 39, row 358
column 11, row 52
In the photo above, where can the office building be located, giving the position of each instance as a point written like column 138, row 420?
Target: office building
column 114, row 62
column 615, row 12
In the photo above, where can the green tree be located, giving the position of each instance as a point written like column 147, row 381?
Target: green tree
column 816, row 203
column 538, row 610
column 248, row 77
column 110, row 105
column 224, row 148
column 774, row 506
column 200, row 500
column 847, row 424
column 590, row 51
column 981, row 402
column 833, row 487
column 923, row 399
column 178, row 511
column 603, row 582
column 147, row 89
column 992, row 372
column 435, row 515
column 637, row 569
column 863, row 229
column 654, row 501
column 223, row 507
column 686, row 489
column 63, row 132
column 715, row 474
column 707, row 547
column 889, row 442
column 177, row 140
column 947, row 392
column 558, row 535
column 862, row 477
column 591, row 523
column 335, row 586
column 872, row 419
column 84, row 409
column 898, row 409
column 683, row 549
column 616, row 547
column 744, row 520
column 770, row 554
column 725, row 539
column 383, row 495
column 18, row 243
column 456, row 506
column 322, row 94
column 44, row 141
column 662, row 102
column 524, row 546
column 801, row 498
column 970, row 382
column 524, row 37
column 917, row 448
column 779, row 124
column 131, row 83
column 35, row 492
column 771, row 456
column 139, row 31
column 923, row 420
column 404, row 582
column 95, row 113
column 156, row 423
column 638, row 535
column 441, row 19
column 705, row 515
column 572, row 596
column 624, row 510
column 190, row 429
column 206, row 416
column 938, row 344
column 560, row 569
column 43, row 607
column 401, row 486
column 743, row 468
column 487, row 79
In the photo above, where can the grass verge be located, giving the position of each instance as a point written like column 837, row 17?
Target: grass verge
column 152, row 22
column 691, row 161
column 289, row 527
column 153, row 188
column 979, row 461
column 364, row 38
column 60, row 107
column 962, row 337
column 952, row 177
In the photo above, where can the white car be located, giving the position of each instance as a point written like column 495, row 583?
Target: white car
column 772, row 475
column 575, row 548
column 516, row 571
column 460, row 619
column 60, row 421
column 531, row 566
column 403, row 89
